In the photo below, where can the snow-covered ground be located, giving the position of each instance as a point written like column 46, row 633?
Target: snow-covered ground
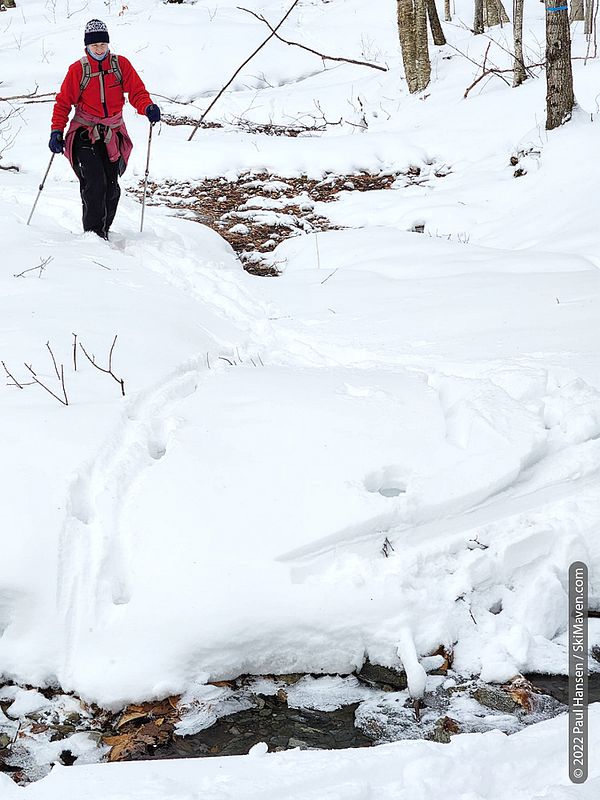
column 526, row 766
column 440, row 390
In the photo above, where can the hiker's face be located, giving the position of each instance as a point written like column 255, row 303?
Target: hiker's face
column 99, row 49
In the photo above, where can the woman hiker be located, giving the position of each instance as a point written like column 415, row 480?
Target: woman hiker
column 97, row 143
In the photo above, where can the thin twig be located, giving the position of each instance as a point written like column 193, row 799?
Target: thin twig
column 329, row 276
column 12, row 377
column 53, row 360
column 64, row 401
column 241, row 67
column 310, row 49
column 75, row 352
column 41, row 267
column 227, row 360
column 108, row 370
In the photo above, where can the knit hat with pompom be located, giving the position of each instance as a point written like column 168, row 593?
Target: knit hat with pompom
column 95, row 31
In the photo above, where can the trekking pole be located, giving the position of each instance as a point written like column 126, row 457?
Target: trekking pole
column 41, row 187
column 146, row 177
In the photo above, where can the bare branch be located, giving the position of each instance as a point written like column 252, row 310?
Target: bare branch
column 108, row 370
column 12, row 377
column 41, row 267
column 241, row 67
column 64, row 400
column 329, row 276
column 75, row 352
column 28, row 96
column 310, row 49
column 53, row 360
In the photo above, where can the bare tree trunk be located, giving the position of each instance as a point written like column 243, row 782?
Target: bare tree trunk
column 576, row 10
column 423, row 62
column 478, row 17
column 589, row 16
column 559, row 74
column 494, row 13
column 491, row 16
column 519, row 74
column 447, row 12
column 435, row 24
column 412, row 30
column 9, row 3
column 408, row 45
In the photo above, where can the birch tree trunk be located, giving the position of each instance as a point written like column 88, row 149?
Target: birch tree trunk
column 589, row 14
column 435, row 24
column 491, row 16
column 576, row 10
column 478, row 17
column 412, row 30
column 422, row 44
column 559, row 74
column 519, row 74
column 447, row 12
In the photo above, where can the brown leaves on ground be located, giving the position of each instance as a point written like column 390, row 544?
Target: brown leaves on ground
column 142, row 728
column 254, row 231
column 522, row 691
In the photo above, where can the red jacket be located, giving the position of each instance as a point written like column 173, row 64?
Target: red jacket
column 89, row 101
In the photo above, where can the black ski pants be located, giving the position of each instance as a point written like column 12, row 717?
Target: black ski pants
column 98, row 183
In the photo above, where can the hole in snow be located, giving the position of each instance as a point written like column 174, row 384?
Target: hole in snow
column 391, row 491
column 156, row 450
column 388, row 482
column 496, row 608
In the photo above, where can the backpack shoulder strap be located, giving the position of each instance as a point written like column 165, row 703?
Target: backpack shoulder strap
column 116, row 67
column 86, row 74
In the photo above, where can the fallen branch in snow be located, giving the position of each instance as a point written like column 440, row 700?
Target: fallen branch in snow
column 330, row 274
column 310, row 49
column 41, row 267
column 27, row 96
column 241, row 67
column 108, row 370
column 387, row 547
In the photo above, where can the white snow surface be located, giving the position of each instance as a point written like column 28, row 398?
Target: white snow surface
column 438, row 390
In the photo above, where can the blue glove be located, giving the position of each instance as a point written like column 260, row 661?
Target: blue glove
column 153, row 113
column 56, row 143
